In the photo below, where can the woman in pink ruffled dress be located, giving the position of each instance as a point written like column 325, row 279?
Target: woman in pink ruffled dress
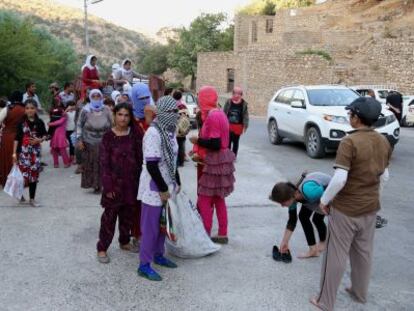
column 217, row 177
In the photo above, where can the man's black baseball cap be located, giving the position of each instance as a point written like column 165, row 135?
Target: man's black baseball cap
column 366, row 107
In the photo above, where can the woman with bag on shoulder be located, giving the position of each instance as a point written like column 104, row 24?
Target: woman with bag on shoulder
column 31, row 132
column 159, row 176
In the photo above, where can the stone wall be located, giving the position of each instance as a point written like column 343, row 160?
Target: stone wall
column 261, row 67
column 213, row 68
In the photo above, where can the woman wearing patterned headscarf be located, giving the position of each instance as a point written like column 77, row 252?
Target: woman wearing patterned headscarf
column 158, row 178
column 94, row 120
column 217, row 179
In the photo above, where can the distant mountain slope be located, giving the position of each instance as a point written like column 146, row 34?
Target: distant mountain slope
column 111, row 43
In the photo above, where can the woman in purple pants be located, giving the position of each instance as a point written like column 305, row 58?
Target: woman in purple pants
column 158, row 178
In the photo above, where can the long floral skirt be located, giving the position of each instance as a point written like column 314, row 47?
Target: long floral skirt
column 91, row 175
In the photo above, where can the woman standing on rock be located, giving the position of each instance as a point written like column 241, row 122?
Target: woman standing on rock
column 159, row 177
column 15, row 113
column 121, row 165
column 217, row 179
column 94, row 120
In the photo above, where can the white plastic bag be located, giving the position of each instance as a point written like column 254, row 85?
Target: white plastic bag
column 15, row 183
column 192, row 239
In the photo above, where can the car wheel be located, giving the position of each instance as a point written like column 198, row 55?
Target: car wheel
column 314, row 144
column 273, row 132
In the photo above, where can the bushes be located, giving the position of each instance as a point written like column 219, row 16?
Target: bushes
column 269, row 7
column 323, row 54
column 29, row 53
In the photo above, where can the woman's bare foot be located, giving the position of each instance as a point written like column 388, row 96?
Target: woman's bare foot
column 321, row 247
column 313, row 252
column 315, row 302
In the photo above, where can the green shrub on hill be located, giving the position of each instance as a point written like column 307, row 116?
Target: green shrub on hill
column 28, row 53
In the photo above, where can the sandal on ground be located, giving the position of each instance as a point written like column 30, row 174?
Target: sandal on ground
column 102, row 257
column 129, row 247
column 34, row 203
column 380, row 222
column 276, row 254
column 135, row 245
column 220, row 239
column 286, row 257
column 147, row 272
column 22, row 200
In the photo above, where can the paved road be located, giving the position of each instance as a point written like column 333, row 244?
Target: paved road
column 47, row 257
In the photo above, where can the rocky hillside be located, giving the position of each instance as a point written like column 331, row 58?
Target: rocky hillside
column 111, row 43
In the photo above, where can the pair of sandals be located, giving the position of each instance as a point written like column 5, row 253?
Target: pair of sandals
column 283, row 257
column 380, row 222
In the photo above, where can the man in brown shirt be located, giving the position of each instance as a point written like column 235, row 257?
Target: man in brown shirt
column 352, row 201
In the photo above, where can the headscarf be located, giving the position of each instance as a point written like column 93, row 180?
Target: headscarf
column 88, row 63
column 207, row 99
column 95, row 104
column 237, row 99
column 166, row 124
column 125, row 71
column 141, row 96
column 115, row 95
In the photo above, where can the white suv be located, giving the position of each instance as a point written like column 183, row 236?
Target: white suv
column 316, row 115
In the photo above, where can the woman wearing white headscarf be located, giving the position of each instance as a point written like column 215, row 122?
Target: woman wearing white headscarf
column 126, row 74
column 94, row 120
column 90, row 75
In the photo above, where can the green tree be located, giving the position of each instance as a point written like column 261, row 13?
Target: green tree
column 28, row 53
column 153, row 58
column 269, row 7
column 205, row 34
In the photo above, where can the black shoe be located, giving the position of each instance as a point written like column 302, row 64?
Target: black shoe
column 287, row 257
column 276, row 254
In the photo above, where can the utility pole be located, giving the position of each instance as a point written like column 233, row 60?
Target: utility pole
column 85, row 7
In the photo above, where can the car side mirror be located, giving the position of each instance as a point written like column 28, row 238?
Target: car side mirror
column 297, row 104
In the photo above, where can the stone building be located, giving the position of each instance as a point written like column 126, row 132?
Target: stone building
column 306, row 46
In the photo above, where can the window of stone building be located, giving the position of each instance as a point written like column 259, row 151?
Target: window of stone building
column 269, row 25
column 230, row 79
column 254, row 31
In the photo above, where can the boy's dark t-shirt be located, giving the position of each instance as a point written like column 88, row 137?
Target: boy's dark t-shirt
column 235, row 114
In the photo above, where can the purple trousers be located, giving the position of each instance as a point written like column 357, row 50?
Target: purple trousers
column 152, row 240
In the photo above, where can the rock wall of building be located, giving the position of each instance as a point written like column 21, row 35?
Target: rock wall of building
column 264, row 60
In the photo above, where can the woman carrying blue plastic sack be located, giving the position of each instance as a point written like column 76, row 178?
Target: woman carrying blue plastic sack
column 159, row 176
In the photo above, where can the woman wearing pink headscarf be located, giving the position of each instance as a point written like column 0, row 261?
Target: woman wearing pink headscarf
column 217, row 180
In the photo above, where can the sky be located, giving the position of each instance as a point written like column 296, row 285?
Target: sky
column 151, row 15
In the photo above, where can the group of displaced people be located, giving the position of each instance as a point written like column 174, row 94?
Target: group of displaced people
column 23, row 132
column 139, row 169
column 129, row 150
